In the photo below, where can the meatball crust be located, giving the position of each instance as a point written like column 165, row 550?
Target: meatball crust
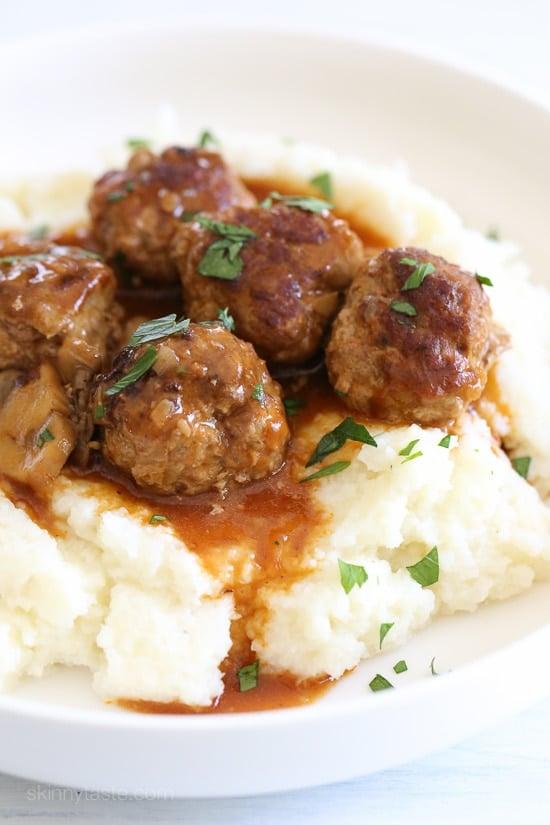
column 206, row 415
column 425, row 368
column 290, row 284
column 134, row 212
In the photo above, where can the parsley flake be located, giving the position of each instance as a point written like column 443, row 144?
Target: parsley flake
column 400, row 666
column 206, row 137
column 38, row 233
column 483, row 280
column 409, row 448
column 329, row 470
column 227, row 320
column 348, row 429
column 99, row 412
column 248, row 676
column 521, row 465
column 384, row 630
column 258, row 393
column 293, row 405
column 413, row 456
column 493, row 234
column 44, row 436
column 116, row 195
column 351, row 575
column 142, row 365
column 134, row 143
column 445, row 441
column 298, row 202
column 426, row 571
column 222, row 259
column 404, row 308
column 158, row 328
column 419, row 274
column 157, row 517
column 323, row 182
column 379, row 683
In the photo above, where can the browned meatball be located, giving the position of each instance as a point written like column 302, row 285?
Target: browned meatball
column 292, row 276
column 135, row 212
column 204, row 415
column 425, row 366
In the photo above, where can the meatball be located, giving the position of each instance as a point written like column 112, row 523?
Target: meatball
column 36, row 432
column 414, row 340
column 57, row 305
column 204, row 415
column 292, row 276
column 135, row 212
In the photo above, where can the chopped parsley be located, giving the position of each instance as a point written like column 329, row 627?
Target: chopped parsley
column 400, row 666
column 158, row 328
column 483, row 280
column 206, row 137
column 384, row 630
column 411, row 457
column 99, row 412
column 248, row 676
column 403, row 307
column 432, row 667
column 426, row 571
column 142, row 365
column 134, row 143
column 188, row 216
column 258, row 393
column 445, row 441
column 329, row 470
column 116, row 195
column 157, row 517
column 379, row 683
column 44, row 436
column 409, row 448
column 418, row 275
column 38, row 233
column 323, row 182
column 293, row 405
column 227, row 320
column 298, row 202
column 521, row 465
column 493, row 234
column 351, row 575
column 348, row 429
column 222, row 259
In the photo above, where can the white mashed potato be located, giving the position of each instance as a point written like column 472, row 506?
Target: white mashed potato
column 132, row 603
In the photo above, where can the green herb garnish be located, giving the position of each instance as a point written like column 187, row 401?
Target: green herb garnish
column 158, row 328
column 409, row 448
column 323, row 182
column 227, row 320
column 445, row 441
column 521, row 465
column 426, row 571
column 384, row 630
column 298, row 202
column 404, row 308
column 44, row 436
column 116, row 195
column 134, row 143
column 187, row 216
column 157, row 517
column 142, row 365
column 38, row 233
column 207, row 137
column 351, row 575
column 483, row 280
column 329, row 470
column 412, row 456
column 379, row 683
column 400, row 666
column 222, row 259
column 419, row 274
column 348, row 429
column 248, row 676
column 258, row 393
column 493, row 234
column 99, row 412
column 293, row 405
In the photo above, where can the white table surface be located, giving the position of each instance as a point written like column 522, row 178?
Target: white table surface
column 502, row 775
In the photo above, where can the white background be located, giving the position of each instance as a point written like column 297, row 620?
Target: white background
column 504, row 775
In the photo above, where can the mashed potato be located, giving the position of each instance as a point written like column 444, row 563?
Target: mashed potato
column 131, row 602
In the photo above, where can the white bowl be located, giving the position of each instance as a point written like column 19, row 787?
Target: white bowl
column 482, row 148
